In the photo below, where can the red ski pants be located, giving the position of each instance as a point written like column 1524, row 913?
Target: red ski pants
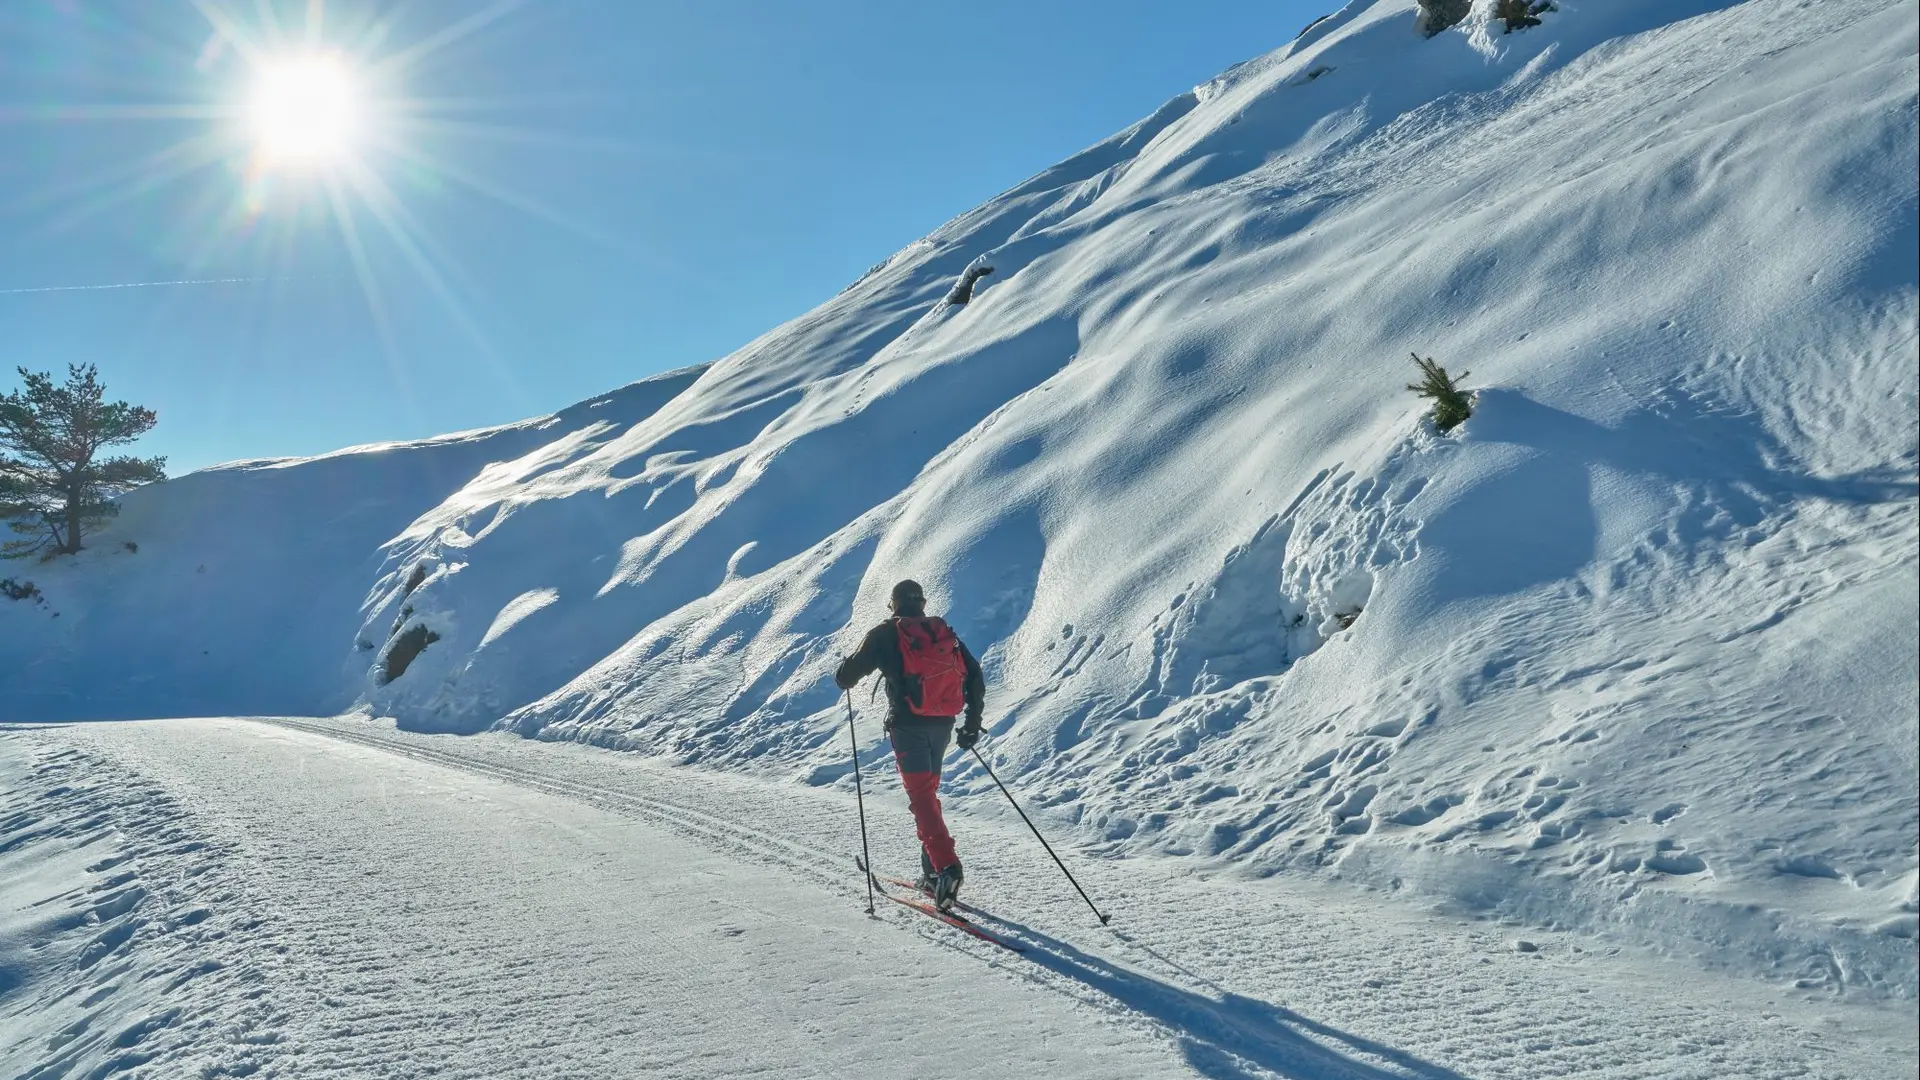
column 918, row 749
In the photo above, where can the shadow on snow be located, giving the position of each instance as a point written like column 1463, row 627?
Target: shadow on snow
column 1222, row 1034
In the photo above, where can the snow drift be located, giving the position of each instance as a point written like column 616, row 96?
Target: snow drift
column 1632, row 650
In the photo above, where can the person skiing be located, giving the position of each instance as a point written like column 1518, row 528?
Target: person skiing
column 930, row 677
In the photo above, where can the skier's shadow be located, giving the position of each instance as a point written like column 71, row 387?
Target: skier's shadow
column 1222, row 1035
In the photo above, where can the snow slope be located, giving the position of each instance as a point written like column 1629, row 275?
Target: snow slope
column 1633, row 651
column 246, row 580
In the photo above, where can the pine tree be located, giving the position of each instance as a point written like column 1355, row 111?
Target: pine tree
column 1451, row 406
column 54, row 486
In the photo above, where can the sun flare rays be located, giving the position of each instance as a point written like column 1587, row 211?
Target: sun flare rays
column 295, row 124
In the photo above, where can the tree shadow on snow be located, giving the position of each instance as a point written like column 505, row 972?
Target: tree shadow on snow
column 1224, row 1033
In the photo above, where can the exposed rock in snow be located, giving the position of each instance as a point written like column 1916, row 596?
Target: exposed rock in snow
column 1438, row 15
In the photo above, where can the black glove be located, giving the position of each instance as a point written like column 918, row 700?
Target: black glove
column 968, row 735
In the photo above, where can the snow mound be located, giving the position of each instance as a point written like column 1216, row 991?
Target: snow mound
column 1633, row 650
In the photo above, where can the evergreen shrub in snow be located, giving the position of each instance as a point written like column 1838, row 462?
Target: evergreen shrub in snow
column 19, row 590
column 1451, row 406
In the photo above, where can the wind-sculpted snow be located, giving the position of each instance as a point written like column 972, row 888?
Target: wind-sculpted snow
column 1633, row 649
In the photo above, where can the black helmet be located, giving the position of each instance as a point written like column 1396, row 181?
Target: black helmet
column 908, row 598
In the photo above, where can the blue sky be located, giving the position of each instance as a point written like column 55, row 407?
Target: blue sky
column 575, row 193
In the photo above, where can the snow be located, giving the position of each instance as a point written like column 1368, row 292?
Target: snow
column 346, row 912
column 305, row 898
column 1631, row 655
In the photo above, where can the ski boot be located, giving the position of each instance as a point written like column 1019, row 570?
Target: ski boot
column 946, row 887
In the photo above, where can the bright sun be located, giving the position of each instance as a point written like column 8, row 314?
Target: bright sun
column 304, row 109
column 310, row 119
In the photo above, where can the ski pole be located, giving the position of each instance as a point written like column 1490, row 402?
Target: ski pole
column 860, row 800
column 1043, row 840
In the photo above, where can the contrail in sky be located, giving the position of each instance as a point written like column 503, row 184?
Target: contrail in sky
column 136, row 285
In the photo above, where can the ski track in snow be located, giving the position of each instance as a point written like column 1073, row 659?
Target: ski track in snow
column 313, row 897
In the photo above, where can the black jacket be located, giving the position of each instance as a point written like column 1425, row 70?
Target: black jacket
column 881, row 652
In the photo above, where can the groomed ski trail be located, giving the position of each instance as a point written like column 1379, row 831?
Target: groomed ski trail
column 494, row 907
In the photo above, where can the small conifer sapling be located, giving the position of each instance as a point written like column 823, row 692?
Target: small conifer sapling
column 1451, row 405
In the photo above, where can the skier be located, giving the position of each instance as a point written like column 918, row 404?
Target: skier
column 930, row 676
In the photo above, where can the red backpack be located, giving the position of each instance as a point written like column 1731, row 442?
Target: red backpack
column 936, row 674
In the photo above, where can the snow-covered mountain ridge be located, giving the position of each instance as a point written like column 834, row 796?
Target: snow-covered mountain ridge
column 1633, row 650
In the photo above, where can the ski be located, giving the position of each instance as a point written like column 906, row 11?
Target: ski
column 956, row 922
column 915, row 889
column 947, row 917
